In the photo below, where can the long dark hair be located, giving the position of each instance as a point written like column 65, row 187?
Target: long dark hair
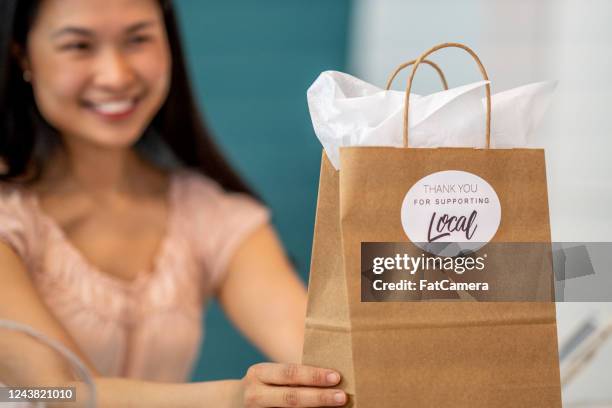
column 26, row 139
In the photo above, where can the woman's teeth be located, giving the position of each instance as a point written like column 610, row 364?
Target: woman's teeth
column 114, row 108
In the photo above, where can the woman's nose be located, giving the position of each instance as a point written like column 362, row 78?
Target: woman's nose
column 114, row 72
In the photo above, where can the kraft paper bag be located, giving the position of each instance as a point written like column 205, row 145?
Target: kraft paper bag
column 430, row 353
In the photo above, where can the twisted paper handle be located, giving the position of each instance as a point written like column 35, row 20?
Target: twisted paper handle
column 409, row 63
column 420, row 60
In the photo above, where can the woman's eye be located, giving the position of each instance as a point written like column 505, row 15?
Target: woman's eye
column 139, row 39
column 76, row 46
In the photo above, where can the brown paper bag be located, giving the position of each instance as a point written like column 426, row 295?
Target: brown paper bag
column 427, row 354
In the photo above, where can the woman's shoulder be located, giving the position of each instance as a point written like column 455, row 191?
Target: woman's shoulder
column 13, row 199
column 196, row 187
column 203, row 198
column 217, row 220
column 17, row 218
column 195, row 181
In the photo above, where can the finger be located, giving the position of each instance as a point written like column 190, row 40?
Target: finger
column 295, row 374
column 274, row 396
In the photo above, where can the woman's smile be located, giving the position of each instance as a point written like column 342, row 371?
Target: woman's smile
column 113, row 110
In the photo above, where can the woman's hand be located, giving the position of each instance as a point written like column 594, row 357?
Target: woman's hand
column 290, row 385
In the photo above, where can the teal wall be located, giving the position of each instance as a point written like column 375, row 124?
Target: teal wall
column 251, row 63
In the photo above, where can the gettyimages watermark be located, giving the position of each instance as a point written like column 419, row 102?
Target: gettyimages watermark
column 504, row 272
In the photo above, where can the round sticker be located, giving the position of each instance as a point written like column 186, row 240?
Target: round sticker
column 450, row 212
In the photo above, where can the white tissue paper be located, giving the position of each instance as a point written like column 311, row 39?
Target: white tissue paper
column 347, row 111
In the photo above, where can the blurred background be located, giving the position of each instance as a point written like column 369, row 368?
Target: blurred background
column 252, row 63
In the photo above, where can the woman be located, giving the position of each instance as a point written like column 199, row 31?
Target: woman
column 118, row 217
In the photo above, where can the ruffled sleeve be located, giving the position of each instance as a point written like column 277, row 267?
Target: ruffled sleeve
column 16, row 221
column 220, row 222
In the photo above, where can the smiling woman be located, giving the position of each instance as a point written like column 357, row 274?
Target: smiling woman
column 119, row 217
column 98, row 78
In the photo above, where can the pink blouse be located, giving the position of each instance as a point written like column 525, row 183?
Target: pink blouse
column 148, row 328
